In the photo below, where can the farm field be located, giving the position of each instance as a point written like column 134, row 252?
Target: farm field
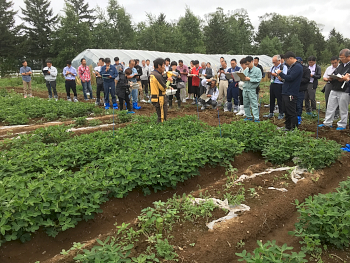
column 54, row 181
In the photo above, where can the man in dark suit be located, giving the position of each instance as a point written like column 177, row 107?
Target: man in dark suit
column 310, row 94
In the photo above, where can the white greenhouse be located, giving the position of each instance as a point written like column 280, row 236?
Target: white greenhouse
column 92, row 56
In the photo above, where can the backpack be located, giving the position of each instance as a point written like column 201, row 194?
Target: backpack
column 123, row 82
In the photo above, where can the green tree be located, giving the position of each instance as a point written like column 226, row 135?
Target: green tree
column 294, row 44
column 270, row 47
column 191, row 34
column 310, row 51
column 40, row 23
column 244, row 31
column 83, row 11
column 216, row 33
column 9, row 38
column 72, row 37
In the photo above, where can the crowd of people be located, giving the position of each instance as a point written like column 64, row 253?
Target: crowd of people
column 235, row 87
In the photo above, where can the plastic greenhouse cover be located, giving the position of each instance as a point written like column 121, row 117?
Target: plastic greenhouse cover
column 92, row 56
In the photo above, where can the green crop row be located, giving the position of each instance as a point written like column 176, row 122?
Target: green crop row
column 53, row 180
column 17, row 110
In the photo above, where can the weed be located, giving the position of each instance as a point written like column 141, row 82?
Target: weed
column 95, row 122
column 240, row 244
column 81, row 121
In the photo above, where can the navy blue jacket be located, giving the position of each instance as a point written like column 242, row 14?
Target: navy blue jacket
column 113, row 72
column 292, row 80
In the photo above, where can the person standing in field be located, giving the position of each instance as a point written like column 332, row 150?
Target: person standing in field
column 195, row 80
column 233, row 90
column 69, row 74
column 109, row 73
column 26, row 73
column 223, row 85
column 303, row 87
column 135, row 86
column 276, row 87
column 99, row 81
column 290, row 90
column 158, row 88
column 327, row 89
column 184, row 72
column 339, row 95
column 85, row 77
column 144, row 80
column 252, row 81
column 50, row 73
column 241, row 112
column 310, row 94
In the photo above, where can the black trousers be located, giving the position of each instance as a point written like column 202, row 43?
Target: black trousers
column 98, row 91
column 121, row 102
column 196, row 92
column 290, row 110
column 240, row 94
column 177, row 95
column 276, row 93
column 49, row 85
column 144, row 84
column 70, row 84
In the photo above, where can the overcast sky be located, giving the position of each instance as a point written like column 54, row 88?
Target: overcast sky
column 329, row 13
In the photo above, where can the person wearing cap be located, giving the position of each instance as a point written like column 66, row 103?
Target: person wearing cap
column 50, row 73
column 276, row 87
column 328, row 87
column 252, row 81
column 195, row 80
column 233, row 90
column 175, row 81
column 109, row 73
column 339, row 95
column 223, row 85
column 310, row 94
column 26, row 73
column 69, row 74
column 303, row 87
column 290, row 90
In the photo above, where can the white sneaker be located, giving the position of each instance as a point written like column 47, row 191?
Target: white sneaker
column 143, row 101
column 188, row 98
column 184, row 101
column 225, row 109
column 75, row 99
column 203, row 108
column 69, row 99
column 235, row 109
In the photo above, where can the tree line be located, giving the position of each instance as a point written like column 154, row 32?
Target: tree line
column 43, row 34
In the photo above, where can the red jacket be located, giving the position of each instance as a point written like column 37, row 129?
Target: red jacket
column 195, row 80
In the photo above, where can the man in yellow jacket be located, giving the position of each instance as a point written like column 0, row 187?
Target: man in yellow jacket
column 158, row 88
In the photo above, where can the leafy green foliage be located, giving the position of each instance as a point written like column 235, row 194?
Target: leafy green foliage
column 325, row 218
column 307, row 152
column 317, row 153
column 80, row 121
column 272, row 253
column 123, row 116
column 165, row 250
column 17, row 110
column 54, row 181
column 95, row 122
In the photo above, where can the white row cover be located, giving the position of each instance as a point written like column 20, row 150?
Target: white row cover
column 92, row 56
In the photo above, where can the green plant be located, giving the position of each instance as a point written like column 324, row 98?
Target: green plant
column 271, row 253
column 123, row 116
column 50, row 116
column 165, row 250
column 240, row 244
column 95, row 122
column 80, row 121
column 16, row 118
column 236, row 199
column 108, row 251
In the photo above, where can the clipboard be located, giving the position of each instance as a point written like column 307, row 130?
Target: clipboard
column 241, row 76
column 338, row 76
column 204, row 97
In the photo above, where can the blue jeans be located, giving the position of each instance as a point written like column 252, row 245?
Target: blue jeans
column 232, row 93
column 134, row 94
column 300, row 101
column 109, row 87
column 87, row 89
